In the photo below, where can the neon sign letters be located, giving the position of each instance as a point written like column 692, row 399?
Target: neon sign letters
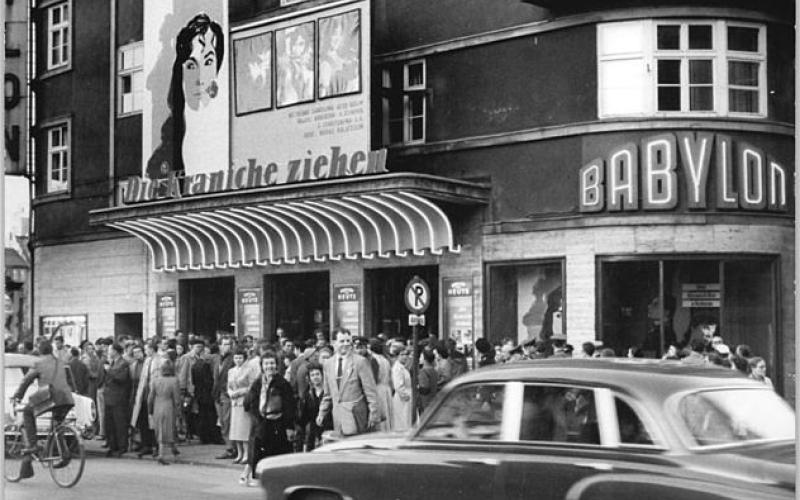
column 646, row 176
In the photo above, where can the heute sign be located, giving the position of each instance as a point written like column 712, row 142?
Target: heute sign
column 647, row 176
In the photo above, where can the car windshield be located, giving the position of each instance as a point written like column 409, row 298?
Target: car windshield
column 732, row 416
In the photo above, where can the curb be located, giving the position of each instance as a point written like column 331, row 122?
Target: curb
column 182, row 461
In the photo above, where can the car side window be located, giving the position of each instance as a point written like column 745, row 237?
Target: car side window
column 469, row 412
column 560, row 414
column 631, row 428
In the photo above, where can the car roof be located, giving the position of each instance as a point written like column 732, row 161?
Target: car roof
column 652, row 376
column 15, row 360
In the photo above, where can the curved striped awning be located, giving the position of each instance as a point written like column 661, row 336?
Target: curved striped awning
column 361, row 225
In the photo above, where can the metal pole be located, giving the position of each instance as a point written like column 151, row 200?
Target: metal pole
column 796, row 229
column 414, row 372
column 3, row 232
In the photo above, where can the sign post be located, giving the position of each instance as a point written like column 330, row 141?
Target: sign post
column 417, row 297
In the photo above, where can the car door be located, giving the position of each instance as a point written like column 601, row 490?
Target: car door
column 454, row 453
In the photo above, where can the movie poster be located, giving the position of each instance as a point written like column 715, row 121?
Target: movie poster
column 185, row 117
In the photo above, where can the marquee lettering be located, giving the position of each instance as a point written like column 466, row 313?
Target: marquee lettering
column 745, row 177
column 253, row 175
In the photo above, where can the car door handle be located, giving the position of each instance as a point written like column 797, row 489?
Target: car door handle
column 483, row 461
column 595, row 465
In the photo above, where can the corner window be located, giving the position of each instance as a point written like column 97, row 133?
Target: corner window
column 58, row 36
column 653, row 305
column 404, row 103
column 58, row 158
column 681, row 67
column 526, row 302
column 130, row 78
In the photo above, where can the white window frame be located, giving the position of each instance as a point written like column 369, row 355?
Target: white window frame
column 646, row 56
column 63, row 28
column 414, row 90
column 63, row 151
column 132, row 52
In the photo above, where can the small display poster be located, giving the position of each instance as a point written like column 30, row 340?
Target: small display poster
column 458, row 311
column 701, row 294
column 347, row 307
column 249, row 304
column 166, row 314
column 72, row 328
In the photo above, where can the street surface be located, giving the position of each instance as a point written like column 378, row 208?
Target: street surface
column 123, row 479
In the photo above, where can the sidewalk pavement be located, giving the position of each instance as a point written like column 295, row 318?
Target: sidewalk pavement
column 190, row 453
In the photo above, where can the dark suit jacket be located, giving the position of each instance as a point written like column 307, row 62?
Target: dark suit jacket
column 221, row 377
column 80, row 374
column 118, row 383
column 51, row 371
column 280, row 393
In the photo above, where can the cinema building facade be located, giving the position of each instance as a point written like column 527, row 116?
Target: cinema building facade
column 611, row 175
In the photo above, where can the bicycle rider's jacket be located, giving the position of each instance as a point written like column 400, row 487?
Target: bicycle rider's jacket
column 48, row 370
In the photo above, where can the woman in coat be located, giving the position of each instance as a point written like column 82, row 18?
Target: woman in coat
column 401, row 404
column 383, row 383
column 271, row 404
column 238, row 385
column 163, row 402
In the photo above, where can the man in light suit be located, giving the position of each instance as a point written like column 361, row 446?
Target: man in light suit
column 349, row 390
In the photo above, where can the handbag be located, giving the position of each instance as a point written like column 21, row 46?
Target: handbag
column 42, row 400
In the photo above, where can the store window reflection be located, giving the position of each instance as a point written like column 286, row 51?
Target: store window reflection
column 650, row 304
column 526, row 301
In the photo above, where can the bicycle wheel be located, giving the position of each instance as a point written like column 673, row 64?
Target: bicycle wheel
column 13, row 453
column 66, row 455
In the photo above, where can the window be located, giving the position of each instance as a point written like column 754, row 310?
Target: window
column 631, row 428
column 58, row 36
column 130, row 80
column 58, row 158
column 559, row 414
column 730, row 295
column 526, row 301
column 404, row 103
column 670, row 67
column 472, row 412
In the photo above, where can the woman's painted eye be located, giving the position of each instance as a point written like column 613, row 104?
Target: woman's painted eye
column 190, row 65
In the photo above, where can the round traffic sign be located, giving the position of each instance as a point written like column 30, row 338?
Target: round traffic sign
column 417, row 295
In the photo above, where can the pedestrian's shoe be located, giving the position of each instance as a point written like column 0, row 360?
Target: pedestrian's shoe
column 111, row 453
column 225, row 456
column 144, row 451
column 175, row 451
column 26, row 469
column 162, row 461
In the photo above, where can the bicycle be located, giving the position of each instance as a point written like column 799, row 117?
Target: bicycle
column 63, row 452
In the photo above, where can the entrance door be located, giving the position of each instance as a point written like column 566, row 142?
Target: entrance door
column 207, row 305
column 299, row 303
column 386, row 309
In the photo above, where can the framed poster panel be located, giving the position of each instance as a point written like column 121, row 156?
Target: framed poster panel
column 458, row 310
column 339, row 68
column 249, row 302
column 294, row 64
column 166, row 314
column 252, row 73
column 74, row 328
column 347, row 308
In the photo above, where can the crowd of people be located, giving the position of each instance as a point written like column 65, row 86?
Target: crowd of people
column 260, row 398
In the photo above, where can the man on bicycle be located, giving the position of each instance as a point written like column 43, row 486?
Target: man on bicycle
column 48, row 370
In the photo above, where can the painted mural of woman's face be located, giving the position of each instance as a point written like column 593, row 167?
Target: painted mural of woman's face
column 200, row 72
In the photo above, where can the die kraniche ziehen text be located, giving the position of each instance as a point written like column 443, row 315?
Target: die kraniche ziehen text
column 254, row 175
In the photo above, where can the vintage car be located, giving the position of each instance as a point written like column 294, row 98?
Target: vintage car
column 567, row 429
column 82, row 415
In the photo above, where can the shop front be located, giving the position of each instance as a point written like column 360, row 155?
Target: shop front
column 671, row 231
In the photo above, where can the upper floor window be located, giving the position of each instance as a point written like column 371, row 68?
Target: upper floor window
column 681, row 67
column 130, row 78
column 58, row 158
column 58, row 36
column 404, row 103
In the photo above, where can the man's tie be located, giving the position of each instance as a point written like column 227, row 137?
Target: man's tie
column 339, row 373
